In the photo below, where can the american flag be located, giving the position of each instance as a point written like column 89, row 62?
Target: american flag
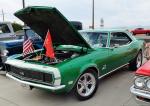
column 27, row 46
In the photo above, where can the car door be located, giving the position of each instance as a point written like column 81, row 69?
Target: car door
column 102, row 51
column 100, row 56
column 119, row 49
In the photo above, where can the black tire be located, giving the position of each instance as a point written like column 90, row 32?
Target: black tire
column 1, row 68
column 79, row 94
column 134, row 65
column 1, row 64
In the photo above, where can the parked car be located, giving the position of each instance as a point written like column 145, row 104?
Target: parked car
column 141, row 31
column 80, row 58
column 15, row 46
column 141, row 86
column 6, row 31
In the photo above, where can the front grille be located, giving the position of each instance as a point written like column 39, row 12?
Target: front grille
column 29, row 75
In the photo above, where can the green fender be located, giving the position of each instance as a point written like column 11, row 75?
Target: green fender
column 82, row 70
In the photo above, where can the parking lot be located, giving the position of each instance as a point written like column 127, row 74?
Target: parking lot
column 113, row 91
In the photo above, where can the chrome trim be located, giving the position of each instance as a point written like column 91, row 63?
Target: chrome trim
column 141, row 93
column 37, row 85
column 30, row 79
column 112, row 71
column 46, row 69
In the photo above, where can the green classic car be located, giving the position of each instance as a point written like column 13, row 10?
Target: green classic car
column 81, row 57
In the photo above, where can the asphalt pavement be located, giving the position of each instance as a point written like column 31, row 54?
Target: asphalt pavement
column 113, row 91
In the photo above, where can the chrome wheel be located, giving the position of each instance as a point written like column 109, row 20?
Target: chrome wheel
column 139, row 60
column 86, row 84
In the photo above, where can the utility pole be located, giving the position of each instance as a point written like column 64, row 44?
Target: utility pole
column 23, row 3
column 93, row 14
column 3, row 15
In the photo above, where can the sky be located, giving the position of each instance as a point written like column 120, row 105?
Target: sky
column 116, row 13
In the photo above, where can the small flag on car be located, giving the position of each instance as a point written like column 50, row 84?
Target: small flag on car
column 49, row 46
column 27, row 46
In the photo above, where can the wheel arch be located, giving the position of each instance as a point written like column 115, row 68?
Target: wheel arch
column 92, row 66
column 83, row 70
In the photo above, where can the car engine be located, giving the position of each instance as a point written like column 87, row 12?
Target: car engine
column 60, row 56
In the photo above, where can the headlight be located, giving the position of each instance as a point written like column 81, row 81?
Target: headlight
column 148, row 84
column 139, row 82
column 4, row 52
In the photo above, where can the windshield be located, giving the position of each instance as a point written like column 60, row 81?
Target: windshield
column 31, row 34
column 4, row 28
column 95, row 39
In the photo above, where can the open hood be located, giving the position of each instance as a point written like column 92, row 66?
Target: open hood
column 41, row 18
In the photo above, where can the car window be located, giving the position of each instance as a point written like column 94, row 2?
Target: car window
column 31, row 34
column 4, row 28
column 119, row 39
column 95, row 39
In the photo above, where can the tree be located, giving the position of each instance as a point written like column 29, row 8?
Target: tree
column 16, row 26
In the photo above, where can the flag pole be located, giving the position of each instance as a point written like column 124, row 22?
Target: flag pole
column 44, row 43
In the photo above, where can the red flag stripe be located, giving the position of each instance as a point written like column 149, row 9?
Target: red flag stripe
column 27, row 47
column 27, row 43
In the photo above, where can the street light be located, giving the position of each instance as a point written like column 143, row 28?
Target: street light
column 93, row 14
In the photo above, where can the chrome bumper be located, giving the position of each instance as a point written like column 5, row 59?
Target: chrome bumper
column 36, row 85
column 141, row 93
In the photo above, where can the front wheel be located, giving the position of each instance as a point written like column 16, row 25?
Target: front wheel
column 86, row 85
column 137, row 62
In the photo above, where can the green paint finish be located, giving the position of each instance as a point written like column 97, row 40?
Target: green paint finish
column 103, row 60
